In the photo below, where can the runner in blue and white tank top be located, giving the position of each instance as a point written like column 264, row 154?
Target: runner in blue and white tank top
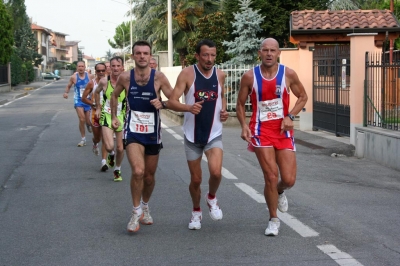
column 205, row 126
column 205, row 110
column 143, row 121
column 142, row 86
column 79, row 80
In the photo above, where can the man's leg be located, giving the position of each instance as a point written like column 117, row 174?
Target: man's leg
column 120, row 149
column 286, row 160
column 195, row 181
column 135, row 155
column 108, row 138
column 82, row 120
column 151, row 162
column 266, row 159
column 119, row 157
column 214, row 158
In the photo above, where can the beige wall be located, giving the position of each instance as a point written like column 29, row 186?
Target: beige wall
column 301, row 61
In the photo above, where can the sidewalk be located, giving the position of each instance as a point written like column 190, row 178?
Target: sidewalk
column 21, row 90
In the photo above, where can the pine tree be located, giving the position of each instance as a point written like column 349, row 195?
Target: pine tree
column 244, row 47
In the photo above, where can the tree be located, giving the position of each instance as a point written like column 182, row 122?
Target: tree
column 6, row 33
column 246, row 25
column 212, row 27
column 25, row 43
column 278, row 14
column 151, row 21
column 121, row 37
column 109, row 55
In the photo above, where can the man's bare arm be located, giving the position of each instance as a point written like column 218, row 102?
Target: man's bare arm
column 165, row 86
column 69, row 85
column 119, row 87
column 102, row 84
column 298, row 90
column 180, row 87
column 86, row 92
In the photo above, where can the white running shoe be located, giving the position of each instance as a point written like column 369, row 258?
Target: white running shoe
column 215, row 211
column 133, row 225
column 273, row 227
column 146, row 217
column 195, row 221
column 82, row 143
column 282, row 203
column 96, row 149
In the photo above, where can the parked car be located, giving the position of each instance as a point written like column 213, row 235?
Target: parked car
column 50, row 75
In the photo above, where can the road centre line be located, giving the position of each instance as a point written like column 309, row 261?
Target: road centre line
column 296, row 225
column 251, row 192
column 340, row 257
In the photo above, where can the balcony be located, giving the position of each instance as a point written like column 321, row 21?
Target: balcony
column 64, row 58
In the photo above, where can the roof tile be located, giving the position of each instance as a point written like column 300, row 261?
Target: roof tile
column 343, row 19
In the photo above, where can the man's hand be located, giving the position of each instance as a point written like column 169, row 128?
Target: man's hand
column 65, row 95
column 156, row 103
column 196, row 107
column 246, row 134
column 115, row 123
column 97, row 114
column 286, row 125
column 223, row 115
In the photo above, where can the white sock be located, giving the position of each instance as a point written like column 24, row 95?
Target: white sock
column 103, row 162
column 117, row 168
column 138, row 210
column 84, row 138
column 144, row 204
column 112, row 153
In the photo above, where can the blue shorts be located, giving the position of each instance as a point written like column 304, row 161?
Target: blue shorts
column 85, row 106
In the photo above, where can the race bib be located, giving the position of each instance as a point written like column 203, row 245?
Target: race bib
column 142, row 122
column 271, row 109
column 81, row 90
column 107, row 107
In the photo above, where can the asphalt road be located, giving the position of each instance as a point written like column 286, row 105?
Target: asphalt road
column 57, row 208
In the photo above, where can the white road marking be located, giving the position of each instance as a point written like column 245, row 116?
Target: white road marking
column 251, row 192
column 340, row 257
column 296, row 225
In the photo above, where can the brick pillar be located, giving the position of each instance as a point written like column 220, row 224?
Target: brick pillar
column 359, row 44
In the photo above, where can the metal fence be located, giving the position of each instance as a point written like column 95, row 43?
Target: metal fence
column 382, row 90
column 232, row 85
column 3, row 74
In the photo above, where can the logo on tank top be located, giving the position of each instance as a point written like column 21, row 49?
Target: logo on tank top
column 278, row 90
column 206, row 96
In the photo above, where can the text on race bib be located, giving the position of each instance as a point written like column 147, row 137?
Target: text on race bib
column 142, row 122
column 271, row 109
column 107, row 107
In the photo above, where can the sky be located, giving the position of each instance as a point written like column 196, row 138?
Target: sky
column 82, row 20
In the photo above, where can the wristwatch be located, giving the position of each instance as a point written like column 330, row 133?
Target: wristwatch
column 94, row 104
column 164, row 105
column 291, row 117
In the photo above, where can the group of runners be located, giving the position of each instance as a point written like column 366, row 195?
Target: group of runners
column 125, row 105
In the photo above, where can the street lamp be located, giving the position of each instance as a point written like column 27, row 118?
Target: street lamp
column 123, row 38
column 130, row 11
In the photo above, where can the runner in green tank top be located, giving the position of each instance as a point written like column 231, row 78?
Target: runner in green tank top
column 107, row 86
